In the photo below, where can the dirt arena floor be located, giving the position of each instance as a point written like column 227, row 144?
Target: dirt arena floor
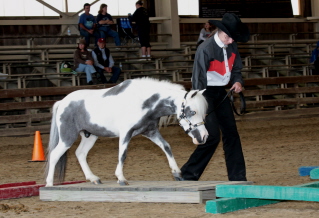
column 274, row 150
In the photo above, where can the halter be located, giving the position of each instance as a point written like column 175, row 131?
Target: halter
column 182, row 116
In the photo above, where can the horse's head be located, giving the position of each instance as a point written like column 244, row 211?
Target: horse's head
column 192, row 116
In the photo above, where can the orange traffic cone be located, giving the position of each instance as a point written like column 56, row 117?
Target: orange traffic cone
column 38, row 153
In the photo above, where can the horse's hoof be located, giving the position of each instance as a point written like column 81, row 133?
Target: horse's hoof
column 97, row 182
column 122, row 183
column 179, row 179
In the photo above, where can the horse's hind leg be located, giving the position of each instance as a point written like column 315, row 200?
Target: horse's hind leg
column 55, row 156
column 81, row 153
column 157, row 138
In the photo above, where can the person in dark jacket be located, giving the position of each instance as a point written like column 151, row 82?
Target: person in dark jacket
column 103, row 61
column 104, row 21
column 143, row 25
column 217, row 62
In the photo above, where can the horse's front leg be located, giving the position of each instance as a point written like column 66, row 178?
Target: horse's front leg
column 157, row 138
column 122, row 156
column 81, row 153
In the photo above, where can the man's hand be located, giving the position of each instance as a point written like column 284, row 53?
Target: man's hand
column 89, row 62
column 108, row 69
column 237, row 87
column 91, row 31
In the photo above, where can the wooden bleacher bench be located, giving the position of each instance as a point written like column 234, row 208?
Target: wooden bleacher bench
column 22, row 79
column 156, row 73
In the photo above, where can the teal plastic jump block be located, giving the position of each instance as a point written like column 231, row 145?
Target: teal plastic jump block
column 314, row 174
column 225, row 205
column 305, row 170
column 268, row 192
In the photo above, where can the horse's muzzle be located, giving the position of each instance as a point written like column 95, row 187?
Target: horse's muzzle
column 203, row 141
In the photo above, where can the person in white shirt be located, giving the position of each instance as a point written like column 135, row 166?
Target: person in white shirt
column 217, row 62
column 103, row 61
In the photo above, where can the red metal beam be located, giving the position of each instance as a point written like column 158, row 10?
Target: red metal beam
column 24, row 189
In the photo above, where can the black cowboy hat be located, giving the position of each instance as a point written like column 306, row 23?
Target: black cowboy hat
column 233, row 27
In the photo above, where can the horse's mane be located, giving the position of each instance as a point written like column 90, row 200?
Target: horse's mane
column 155, row 84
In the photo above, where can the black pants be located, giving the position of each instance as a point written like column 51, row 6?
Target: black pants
column 144, row 36
column 222, row 119
column 100, row 75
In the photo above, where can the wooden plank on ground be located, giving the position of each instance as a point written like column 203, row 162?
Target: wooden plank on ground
column 268, row 192
column 225, row 205
column 305, row 170
column 314, row 174
column 136, row 191
column 122, row 196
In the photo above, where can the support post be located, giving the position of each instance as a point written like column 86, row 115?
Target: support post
column 168, row 8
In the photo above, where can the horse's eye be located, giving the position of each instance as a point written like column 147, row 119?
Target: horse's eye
column 193, row 113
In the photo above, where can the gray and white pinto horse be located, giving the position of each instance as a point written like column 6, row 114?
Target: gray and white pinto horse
column 131, row 108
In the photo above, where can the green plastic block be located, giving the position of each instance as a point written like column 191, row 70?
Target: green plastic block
column 225, row 205
column 314, row 174
column 268, row 192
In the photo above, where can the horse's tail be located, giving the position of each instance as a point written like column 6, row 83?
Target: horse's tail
column 53, row 142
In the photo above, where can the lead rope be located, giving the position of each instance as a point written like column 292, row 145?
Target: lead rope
column 242, row 101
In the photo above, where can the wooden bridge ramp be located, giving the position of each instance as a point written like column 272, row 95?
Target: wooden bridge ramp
column 136, row 191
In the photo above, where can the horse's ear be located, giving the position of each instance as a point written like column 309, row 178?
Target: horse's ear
column 198, row 91
column 202, row 91
column 195, row 92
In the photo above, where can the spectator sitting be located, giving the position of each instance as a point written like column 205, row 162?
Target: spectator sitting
column 103, row 61
column 87, row 25
column 83, row 61
column 104, row 21
column 205, row 33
